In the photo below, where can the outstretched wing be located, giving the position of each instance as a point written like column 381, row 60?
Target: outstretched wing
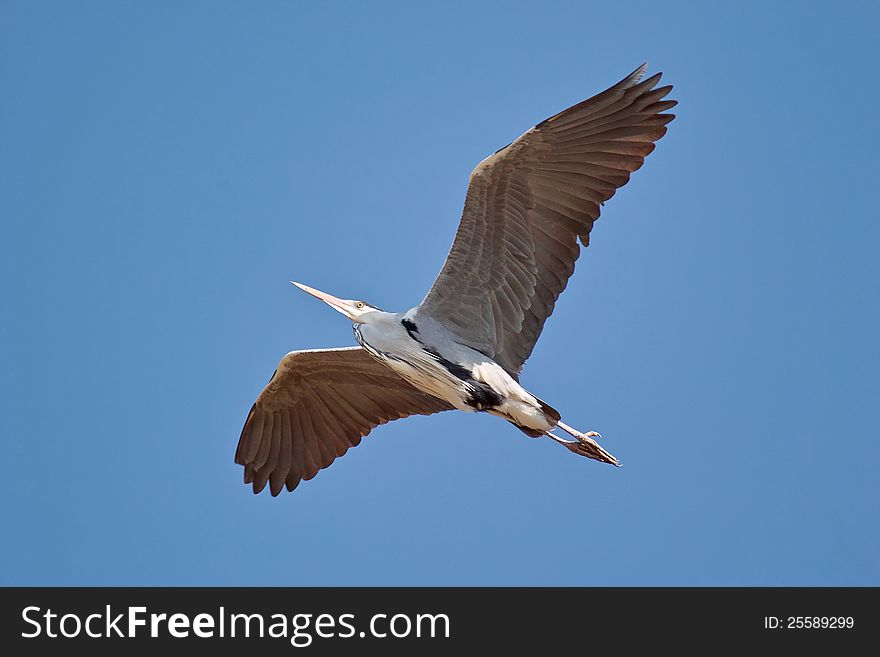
column 317, row 405
column 526, row 207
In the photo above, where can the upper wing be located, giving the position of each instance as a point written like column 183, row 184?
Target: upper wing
column 317, row 405
column 527, row 205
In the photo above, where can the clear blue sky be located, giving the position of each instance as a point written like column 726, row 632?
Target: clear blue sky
column 167, row 167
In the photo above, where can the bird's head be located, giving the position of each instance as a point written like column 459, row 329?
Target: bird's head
column 357, row 311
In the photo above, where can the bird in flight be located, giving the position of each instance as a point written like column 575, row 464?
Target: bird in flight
column 464, row 345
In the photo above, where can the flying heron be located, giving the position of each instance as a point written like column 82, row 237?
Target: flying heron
column 464, row 345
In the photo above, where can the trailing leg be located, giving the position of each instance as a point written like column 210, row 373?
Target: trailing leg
column 584, row 444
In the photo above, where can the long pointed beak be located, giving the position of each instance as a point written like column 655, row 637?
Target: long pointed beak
column 341, row 305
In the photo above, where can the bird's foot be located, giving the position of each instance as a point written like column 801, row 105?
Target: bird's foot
column 586, row 446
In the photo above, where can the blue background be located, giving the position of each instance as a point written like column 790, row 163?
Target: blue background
column 167, row 167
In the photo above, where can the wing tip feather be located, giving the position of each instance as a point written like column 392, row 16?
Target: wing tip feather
column 636, row 76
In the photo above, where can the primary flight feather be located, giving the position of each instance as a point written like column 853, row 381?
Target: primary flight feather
column 527, row 207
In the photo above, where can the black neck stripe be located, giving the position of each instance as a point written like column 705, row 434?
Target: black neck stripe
column 411, row 328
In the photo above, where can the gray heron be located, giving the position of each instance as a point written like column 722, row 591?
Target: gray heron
column 463, row 347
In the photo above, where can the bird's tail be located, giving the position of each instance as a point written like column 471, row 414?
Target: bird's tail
column 551, row 413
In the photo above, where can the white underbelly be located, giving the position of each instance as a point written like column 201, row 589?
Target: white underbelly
column 524, row 414
column 456, row 392
column 435, row 380
column 464, row 378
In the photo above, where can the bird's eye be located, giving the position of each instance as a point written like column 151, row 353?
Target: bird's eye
column 359, row 305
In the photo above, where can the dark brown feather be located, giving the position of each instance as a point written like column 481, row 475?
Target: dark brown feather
column 317, row 405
